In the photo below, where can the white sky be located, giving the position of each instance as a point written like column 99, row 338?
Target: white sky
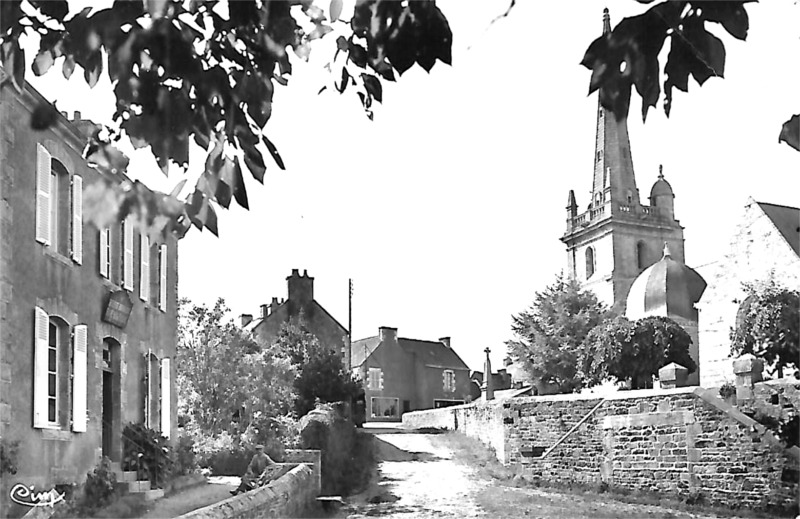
column 447, row 209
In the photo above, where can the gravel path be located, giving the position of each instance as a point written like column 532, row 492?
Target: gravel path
column 420, row 476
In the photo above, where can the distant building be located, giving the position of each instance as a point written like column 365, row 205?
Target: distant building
column 402, row 375
column 300, row 302
column 765, row 244
column 87, row 316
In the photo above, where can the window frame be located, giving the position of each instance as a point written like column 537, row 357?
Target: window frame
column 448, row 375
column 375, row 375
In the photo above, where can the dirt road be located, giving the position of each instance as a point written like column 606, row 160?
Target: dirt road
column 428, row 476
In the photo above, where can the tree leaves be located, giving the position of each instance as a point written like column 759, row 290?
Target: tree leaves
column 629, row 54
column 790, row 132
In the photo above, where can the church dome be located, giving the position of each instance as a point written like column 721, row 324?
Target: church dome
column 661, row 187
column 667, row 288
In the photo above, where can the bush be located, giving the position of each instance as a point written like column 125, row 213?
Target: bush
column 727, row 390
column 8, row 456
column 100, row 483
column 185, row 458
column 147, row 452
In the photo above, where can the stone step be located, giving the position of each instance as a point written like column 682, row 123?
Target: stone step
column 152, row 495
column 125, row 475
column 116, row 466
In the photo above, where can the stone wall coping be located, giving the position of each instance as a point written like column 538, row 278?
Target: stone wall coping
column 785, row 381
column 249, row 499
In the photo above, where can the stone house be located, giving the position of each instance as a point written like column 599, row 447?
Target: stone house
column 764, row 245
column 87, row 316
column 402, row 375
column 300, row 302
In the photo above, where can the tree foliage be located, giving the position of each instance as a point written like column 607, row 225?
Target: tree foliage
column 206, row 71
column 767, row 325
column 622, row 349
column 627, row 57
column 320, row 374
column 550, row 332
column 222, row 371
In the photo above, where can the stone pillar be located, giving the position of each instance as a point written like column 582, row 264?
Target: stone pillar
column 673, row 375
column 748, row 370
column 488, row 387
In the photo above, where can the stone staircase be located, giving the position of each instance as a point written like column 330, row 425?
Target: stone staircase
column 129, row 484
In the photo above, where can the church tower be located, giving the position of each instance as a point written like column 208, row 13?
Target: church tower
column 617, row 237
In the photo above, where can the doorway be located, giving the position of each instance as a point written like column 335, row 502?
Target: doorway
column 108, row 411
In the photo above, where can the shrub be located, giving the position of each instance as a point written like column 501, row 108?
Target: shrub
column 147, row 452
column 727, row 390
column 8, row 456
column 99, row 486
column 185, row 458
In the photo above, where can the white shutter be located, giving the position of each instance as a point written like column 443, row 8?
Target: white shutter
column 42, row 195
column 144, row 267
column 162, row 274
column 166, row 396
column 79, row 382
column 104, row 259
column 127, row 259
column 77, row 219
column 41, row 338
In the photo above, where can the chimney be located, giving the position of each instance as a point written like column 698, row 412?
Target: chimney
column 264, row 311
column 76, row 116
column 246, row 319
column 387, row 334
column 445, row 341
column 301, row 288
column 273, row 306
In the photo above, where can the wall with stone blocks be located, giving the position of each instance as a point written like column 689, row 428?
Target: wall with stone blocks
column 777, row 398
column 291, row 495
column 678, row 441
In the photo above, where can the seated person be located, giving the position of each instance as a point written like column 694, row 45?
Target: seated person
column 257, row 465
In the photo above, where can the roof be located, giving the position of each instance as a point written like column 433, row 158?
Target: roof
column 361, row 349
column 433, row 353
column 430, row 353
column 787, row 220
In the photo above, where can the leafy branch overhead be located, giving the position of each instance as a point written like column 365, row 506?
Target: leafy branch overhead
column 205, row 71
column 627, row 57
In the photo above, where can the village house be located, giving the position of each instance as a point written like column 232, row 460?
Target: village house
column 87, row 316
column 300, row 303
column 402, row 375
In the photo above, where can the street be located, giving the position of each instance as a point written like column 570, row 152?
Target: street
column 439, row 475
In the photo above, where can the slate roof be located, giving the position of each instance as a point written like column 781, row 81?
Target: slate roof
column 430, row 353
column 787, row 220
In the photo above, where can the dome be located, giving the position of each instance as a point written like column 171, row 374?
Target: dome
column 668, row 288
column 661, row 187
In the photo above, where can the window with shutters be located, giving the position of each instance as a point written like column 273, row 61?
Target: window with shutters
column 104, row 249
column 144, row 268
column 162, row 278
column 59, row 207
column 51, row 371
column 449, row 381
column 375, row 379
column 166, row 396
column 127, row 254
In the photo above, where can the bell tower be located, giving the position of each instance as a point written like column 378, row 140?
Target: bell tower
column 617, row 237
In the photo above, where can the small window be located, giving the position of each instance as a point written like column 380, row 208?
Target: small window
column 449, row 381
column 375, row 382
column 641, row 255
column 590, row 264
column 629, row 196
column 105, row 252
column 52, row 373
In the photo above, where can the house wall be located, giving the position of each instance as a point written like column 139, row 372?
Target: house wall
column 757, row 252
column 430, row 385
column 33, row 275
column 680, row 442
column 399, row 377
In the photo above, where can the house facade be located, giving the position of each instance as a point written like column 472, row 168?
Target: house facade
column 87, row 316
column 300, row 302
column 402, row 375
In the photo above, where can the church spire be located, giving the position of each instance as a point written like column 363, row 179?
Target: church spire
column 613, row 165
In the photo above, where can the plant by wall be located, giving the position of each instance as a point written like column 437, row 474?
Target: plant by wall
column 8, row 456
column 147, row 452
column 99, row 486
column 185, row 458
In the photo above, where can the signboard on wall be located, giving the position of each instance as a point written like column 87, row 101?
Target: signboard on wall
column 118, row 309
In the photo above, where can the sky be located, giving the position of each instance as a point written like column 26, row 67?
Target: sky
column 446, row 210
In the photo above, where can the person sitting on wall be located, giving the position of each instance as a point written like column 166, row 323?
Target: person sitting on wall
column 258, row 464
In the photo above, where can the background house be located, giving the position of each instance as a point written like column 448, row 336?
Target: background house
column 300, row 302
column 87, row 316
column 402, row 375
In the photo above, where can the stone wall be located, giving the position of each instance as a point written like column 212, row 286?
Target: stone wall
column 291, row 495
column 777, row 398
column 683, row 442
